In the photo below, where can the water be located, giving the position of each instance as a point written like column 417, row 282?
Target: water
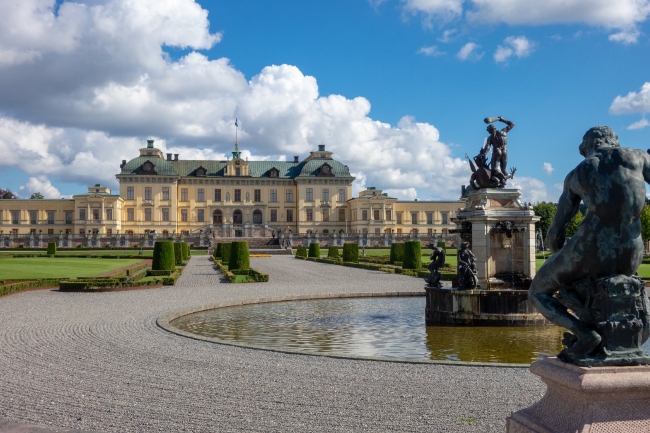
column 378, row 327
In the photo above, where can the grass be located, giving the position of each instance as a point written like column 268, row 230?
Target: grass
column 93, row 252
column 36, row 267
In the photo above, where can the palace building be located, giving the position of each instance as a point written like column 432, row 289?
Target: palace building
column 231, row 198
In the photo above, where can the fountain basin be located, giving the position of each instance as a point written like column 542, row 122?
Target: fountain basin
column 450, row 306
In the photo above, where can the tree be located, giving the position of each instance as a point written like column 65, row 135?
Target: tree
column 572, row 227
column 546, row 211
column 6, row 194
column 37, row 196
column 645, row 223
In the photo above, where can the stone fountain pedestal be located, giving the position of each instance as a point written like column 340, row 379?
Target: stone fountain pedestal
column 501, row 232
column 587, row 399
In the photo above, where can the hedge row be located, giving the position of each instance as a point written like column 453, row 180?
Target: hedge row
column 397, row 252
column 351, row 252
column 314, row 250
column 259, row 277
column 93, row 284
column 333, row 251
column 6, row 289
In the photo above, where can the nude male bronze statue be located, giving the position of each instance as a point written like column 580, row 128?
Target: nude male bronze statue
column 498, row 141
column 589, row 286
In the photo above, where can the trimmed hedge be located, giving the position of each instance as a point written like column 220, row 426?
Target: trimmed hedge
column 158, row 273
column 412, row 255
column 217, row 251
column 301, row 252
column 178, row 253
column 314, row 250
column 239, row 258
column 442, row 245
column 51, row 248
column 397, row 252
column 333, row 251
column 351, row 252
column 225, row 252
column 7, row 289
column 185, row 250
column 231, row 276
column 163, row 256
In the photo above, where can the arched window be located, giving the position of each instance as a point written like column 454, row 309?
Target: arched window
column 257, row 216
column 129, row 232
column 237, row 217
column 165, row 233
column 217, row 217
column 325, row 231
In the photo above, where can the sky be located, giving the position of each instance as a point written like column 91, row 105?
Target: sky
column 397, row 89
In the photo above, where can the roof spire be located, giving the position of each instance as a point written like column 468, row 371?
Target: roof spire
column 236, row 153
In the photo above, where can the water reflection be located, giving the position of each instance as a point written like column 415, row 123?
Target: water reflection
column 380, row 327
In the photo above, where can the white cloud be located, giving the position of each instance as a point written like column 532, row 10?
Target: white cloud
column 82, row 104
column 518, row 46
column 532, row 190
column 40, row 184
column 548, row 168
column 447, row 36
column 469, row 51
column 639, row 125
column 402, row 194
column 633, row 102
column 622, row 17
column 432, row 51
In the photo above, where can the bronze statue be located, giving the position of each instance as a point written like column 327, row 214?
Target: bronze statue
column 437, row 261
column 498, row 141
column 593, row 274
column 483, row 176
column 467, row 278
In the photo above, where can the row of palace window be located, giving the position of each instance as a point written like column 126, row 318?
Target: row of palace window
column 376, row 214
column 430, row 232
column 33, row 216
column 217, row 216
column 325, row 215
column 237, row 196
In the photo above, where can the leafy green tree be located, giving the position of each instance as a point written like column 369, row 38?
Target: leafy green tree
column 6, row 194
column 645, row 223
column 37, row 196
column 572, row 227
column 546, row 211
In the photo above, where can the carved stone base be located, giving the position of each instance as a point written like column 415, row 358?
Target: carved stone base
column 581, row 400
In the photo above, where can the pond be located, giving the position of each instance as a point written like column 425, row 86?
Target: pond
column 371, row 327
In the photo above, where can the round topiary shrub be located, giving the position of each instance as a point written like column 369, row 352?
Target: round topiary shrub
column 239, row 258
column 51, row 248
column 314, row 250
column 185, row 250
column 412, row 255
column 351, row 252
column 301, row 252
column 163, row 256
column 333, row 252
column 178, row 253
column 225, row 252
column 397, row 252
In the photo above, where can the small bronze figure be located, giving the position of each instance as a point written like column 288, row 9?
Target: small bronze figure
column 437, row 257
column 467, row 278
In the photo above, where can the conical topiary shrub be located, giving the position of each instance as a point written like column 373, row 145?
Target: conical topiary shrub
column 178, row 253
column 163, row 256
column 51, row 248
column 225, row 252
column 397, row 252
column 216, row 253
column 239, row 258
column 185, row 250
column 333, row 252
column 314, row 250
column 412, row 255
column 351, row 252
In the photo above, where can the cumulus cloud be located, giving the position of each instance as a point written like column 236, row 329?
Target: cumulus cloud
column 402, row 194
column 621, row 17
column 639, row 125
column 447, row 36
column 469, row 51
column 518, row 46
column 633, row 102
column 548, row 168
column 432, row 51
column 532, row 190
column 40, row 184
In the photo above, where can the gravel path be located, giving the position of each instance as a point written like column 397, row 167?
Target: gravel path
column 98, row 361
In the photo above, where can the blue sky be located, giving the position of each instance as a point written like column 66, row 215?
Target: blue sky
column 384, row 84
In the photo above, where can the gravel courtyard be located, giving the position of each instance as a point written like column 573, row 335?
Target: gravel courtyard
column 98, row 361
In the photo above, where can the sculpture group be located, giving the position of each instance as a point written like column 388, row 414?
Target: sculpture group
column 492, row 174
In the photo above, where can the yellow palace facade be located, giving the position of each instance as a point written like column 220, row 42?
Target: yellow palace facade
column 232, row 198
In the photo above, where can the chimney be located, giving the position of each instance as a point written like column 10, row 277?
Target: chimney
column 150, row 144
column 295, row 160
column 321, row 148
column 176, row 157
column 169, row 157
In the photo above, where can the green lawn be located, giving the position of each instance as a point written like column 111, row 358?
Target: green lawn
column 36, row 267
column 97, row 252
